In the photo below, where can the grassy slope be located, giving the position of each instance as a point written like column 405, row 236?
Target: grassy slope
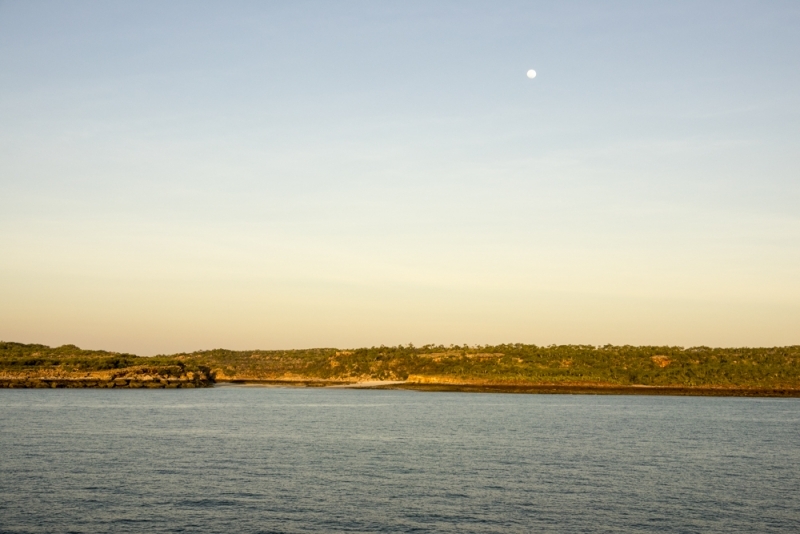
column 777, row 367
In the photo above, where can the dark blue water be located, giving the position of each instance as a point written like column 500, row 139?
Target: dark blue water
column 324, row 460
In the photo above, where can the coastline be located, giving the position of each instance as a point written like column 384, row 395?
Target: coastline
column 547, row 389
column 422, row 386
column 510, row 368
column 558, row 389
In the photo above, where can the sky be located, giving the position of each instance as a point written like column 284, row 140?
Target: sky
column 177, row 176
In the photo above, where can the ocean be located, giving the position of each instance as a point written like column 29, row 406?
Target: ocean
column 252, row 459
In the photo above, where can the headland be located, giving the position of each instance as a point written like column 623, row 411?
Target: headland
column 509, row 368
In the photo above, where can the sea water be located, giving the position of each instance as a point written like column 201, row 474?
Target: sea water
column 231, row 459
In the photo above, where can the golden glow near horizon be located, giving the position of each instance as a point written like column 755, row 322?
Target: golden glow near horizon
column 171, row 184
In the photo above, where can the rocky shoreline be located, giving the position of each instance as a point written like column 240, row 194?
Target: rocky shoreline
column 132, row 378
column 24, row 383
column 450, row 385
column 570, row 389
column 202, row 380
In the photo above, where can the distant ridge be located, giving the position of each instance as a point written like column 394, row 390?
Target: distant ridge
column 509, row 367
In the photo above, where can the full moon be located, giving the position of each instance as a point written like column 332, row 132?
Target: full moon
column 531, row 74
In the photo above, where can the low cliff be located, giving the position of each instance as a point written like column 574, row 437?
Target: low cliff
column 40, row 366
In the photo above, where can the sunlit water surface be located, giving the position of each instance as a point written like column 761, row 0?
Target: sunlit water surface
column 324, row 460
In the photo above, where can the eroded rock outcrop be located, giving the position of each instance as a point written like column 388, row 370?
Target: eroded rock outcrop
column 135, row 377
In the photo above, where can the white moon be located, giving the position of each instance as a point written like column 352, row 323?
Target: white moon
column 531, row 74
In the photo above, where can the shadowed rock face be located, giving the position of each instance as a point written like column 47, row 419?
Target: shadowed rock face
column 131, row 379
column 40, row 366
column 167, row 376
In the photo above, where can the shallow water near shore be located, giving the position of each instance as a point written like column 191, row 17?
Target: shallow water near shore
column 320, row 460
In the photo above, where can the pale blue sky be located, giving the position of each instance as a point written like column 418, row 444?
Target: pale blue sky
column 176, row 176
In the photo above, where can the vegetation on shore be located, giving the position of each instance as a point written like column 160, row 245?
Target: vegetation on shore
column 518, row 363
column 33, row 365
column 758, row 368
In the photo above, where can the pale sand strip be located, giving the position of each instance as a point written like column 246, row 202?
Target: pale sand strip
column 305, row 383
